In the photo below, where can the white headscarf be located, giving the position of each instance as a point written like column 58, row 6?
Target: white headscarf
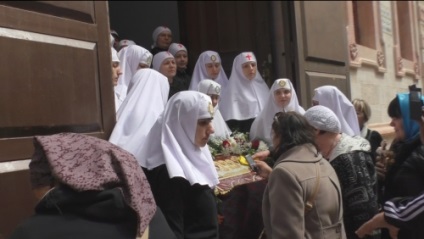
column 115, row 58
column 158, row 31
column 147, row 96
column 171, row 140
column 200, row 72
column 124, row 43
column 211, row 87
column 176, row 47
column 322, row 118
column 159, row 58
column 130, row 58
column 335, row 100
column 261, row 126
column 243, row 98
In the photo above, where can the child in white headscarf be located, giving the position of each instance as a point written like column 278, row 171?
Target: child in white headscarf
column 132, row 59
column 147, row 96
column 246, row 94
column 282, row 98
column 333, row 98
column 179, row 165
column 213, row 89
column 208, row 66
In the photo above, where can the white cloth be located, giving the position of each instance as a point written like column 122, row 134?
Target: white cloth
column 114, row 53
column 243, row 98
column 147, row 96
column 262, row 125
column 211, row 87
column 171, row 141
column 131, row 57
column 334, row 99
column 323, row 118
column 124, row 43
column 176, row 47
column 159, row 58
column 200, row 73
column 158, row 31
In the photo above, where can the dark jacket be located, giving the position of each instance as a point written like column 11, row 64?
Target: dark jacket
column 351, row 159
column 64, row 213
column 405, row 212
column 184, row 77
column 405, row 178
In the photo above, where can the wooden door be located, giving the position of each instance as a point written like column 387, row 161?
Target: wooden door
column 229, row 28
column 56, row 77
column 320, row 43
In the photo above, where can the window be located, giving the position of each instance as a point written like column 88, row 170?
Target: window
column 407, row 60
column 364, row 35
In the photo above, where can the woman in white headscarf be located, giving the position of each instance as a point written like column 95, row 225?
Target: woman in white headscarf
column 246, row 94
column 132, row 59
column 147, row 96
column 164, row 62
column 208, row 66
column 116, row 73
column 282, row 98
column 162, row 38
column 331, row 97
column 179, row 166
column 213, row 89
column 179, row 51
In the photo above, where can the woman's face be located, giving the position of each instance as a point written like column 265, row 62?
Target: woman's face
column 397, row 124
column 181, row 59
column 203, row 130
column 249, row 70
column 215, row 99
column 361, row 118
column 282, row 97
column 116, row 72
column 213, row 69
column 164, row 40
column 168, row 68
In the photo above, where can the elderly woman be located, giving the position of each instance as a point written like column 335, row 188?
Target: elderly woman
column 282, row 98
column 303, row 196
column 352, row 161
column 162, row 38
column 179, row 166
column 89, row 188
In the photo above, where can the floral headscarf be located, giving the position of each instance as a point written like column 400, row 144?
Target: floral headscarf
column 87, row 163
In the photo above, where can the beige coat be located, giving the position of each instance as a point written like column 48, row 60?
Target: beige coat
column 290, row 185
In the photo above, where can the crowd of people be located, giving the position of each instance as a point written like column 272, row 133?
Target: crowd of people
column 329, row 175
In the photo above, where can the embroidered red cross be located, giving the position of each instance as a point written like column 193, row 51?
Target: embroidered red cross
column 248, row 57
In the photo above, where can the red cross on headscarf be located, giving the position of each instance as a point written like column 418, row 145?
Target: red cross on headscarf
column 180, row 46
column 248, row 57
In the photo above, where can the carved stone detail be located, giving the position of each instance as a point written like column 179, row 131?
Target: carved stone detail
column 353, row 51
column 380, row 58
column 400, row 64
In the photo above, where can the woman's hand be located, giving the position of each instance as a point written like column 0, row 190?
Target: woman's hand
column 377, row 222
column 264, row 170
column 261, row 155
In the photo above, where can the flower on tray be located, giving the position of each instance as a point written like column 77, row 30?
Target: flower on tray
column 236, row 144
